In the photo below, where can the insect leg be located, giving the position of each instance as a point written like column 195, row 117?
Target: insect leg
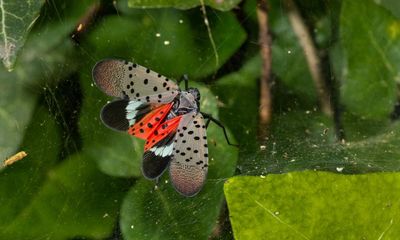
column 186, row 79
column 210, row 118
column 208, row 121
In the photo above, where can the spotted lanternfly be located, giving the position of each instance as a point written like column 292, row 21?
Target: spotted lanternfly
column 152, row 107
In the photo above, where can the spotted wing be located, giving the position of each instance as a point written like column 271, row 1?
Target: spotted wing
column 158, row 148
column 123, row 114
column 129, row 80
column 149, row 123
column 189, row 164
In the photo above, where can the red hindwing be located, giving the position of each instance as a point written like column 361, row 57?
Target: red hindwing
column 149, row 123
column 162, row 131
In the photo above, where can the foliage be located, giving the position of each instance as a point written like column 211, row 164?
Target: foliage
column 293, row 206
column 82, row 180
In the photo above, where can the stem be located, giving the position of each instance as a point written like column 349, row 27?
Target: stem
column 310, row 52
column 86, row 21
column 265, row 51
column 210, row 36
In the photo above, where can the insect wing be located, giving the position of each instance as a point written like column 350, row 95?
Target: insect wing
column 158, row 148
column 150, row 122
column 121, row 114
column 125, row 79
column 166, row 128
column 189, row 164
column 114, row 115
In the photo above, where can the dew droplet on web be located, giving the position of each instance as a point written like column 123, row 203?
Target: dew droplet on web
column 276, row 213
column 263, row 147
column 166, row 42
column 158, row 34
column 132, row 226
column 289, row 52
column 180, row 21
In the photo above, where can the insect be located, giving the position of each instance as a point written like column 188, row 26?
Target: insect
column 152, row 107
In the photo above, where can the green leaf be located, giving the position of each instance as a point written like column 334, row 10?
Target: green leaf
column 16, row 107
column 20, row 180
column 17, row 17
column 314, row 205
column 223, row 5
column 161, row 213
column 180, row 43
column 371, row 42
column 391, row 5
column 66, row 200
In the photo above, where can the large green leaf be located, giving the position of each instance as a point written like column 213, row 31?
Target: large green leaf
column 223, row 5
column 314, row 205
column 371, row 42
column 179, row 40
column 17, row 17
column 149, row 213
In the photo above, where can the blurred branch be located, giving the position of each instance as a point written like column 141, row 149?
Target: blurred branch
column 310, row 52
column 82, row 27
column 223, row 228
column 265, row 50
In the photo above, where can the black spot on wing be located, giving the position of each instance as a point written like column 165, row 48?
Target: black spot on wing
column 113, row 115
